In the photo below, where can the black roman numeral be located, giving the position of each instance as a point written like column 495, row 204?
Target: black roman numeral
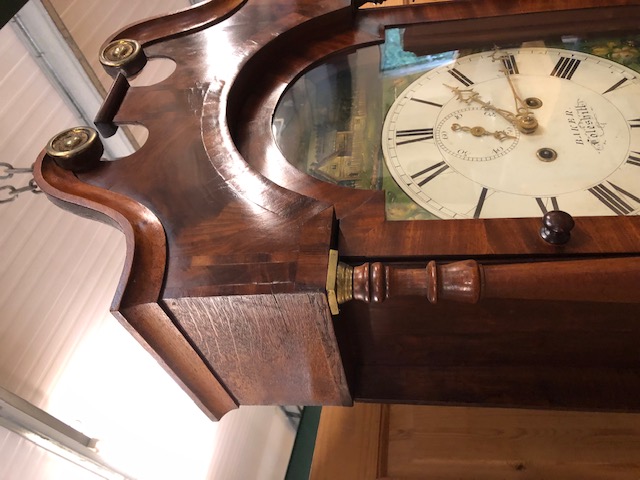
column 415, row 135
column 635, row 123
column 615, row 85
column 427, row 102
column 543, row 207
column 483, row 197
column 565, row 68
column 509, row 62
column 441, row 167
column 634, row 159
column 614, row 201
column 461, row 77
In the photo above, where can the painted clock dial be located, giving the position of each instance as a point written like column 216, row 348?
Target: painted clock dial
column 454, row 140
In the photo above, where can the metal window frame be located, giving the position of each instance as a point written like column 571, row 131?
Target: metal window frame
column 46, row 431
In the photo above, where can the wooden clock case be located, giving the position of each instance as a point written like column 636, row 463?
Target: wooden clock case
column 228, row 245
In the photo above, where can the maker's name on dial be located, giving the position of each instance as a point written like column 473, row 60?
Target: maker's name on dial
column 584, row 126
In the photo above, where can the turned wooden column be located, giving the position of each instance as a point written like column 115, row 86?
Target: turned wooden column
column 598, row 280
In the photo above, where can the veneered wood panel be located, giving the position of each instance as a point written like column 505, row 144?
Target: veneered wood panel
column 496, row 353
column 276, row 350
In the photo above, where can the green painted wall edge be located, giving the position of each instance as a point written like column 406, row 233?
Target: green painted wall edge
column 302, row 453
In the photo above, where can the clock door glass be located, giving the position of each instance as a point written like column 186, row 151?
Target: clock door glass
column 514, row 131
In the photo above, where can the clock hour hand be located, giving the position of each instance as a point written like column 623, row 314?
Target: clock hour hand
column 482, row 132
column 526, row 124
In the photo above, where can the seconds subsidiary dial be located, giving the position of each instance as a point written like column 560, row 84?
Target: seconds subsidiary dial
column 519, row 132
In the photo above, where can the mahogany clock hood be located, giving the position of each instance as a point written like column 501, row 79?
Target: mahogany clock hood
column 228, row 245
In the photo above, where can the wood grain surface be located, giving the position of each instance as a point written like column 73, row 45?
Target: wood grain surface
column 348, row 444
column 610, row 280
column 479, row 444
column 268, row 349
column 408, row 442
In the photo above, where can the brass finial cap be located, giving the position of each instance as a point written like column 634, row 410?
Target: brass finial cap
column 124, row 55
column 77, row 149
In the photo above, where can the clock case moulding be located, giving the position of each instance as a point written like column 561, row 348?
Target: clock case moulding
column 228, row 245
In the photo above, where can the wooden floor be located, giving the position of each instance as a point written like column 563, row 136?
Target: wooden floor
column 373, row 441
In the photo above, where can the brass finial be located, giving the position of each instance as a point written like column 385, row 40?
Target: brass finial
column 76, row 149
column 124, row 55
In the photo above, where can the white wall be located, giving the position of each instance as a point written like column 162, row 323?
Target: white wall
column 79, row 17
column 22, row 460
column 57, row 271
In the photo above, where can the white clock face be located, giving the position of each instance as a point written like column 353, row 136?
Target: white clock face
column 456, row 143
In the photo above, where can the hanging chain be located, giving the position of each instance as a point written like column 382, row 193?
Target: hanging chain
column 8, row 193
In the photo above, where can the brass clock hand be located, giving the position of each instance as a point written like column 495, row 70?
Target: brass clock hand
column 525, row 119
column 525, row 123
column 482, row 132
column 468, row 95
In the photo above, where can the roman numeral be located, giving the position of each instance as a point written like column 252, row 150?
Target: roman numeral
column 510, row 65
column 615, row 85
column 461, row 77
column 635, row 123
column 565, row 68
column 634, row 159
column 415, row 135
column 427, row 102
column 543, row 206
column 441, row 168
column 612, row 200
column 483, row 197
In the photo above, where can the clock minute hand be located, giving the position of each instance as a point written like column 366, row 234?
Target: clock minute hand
column 525, row 119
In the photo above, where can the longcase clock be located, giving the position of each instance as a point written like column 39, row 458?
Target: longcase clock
column 433, row 203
